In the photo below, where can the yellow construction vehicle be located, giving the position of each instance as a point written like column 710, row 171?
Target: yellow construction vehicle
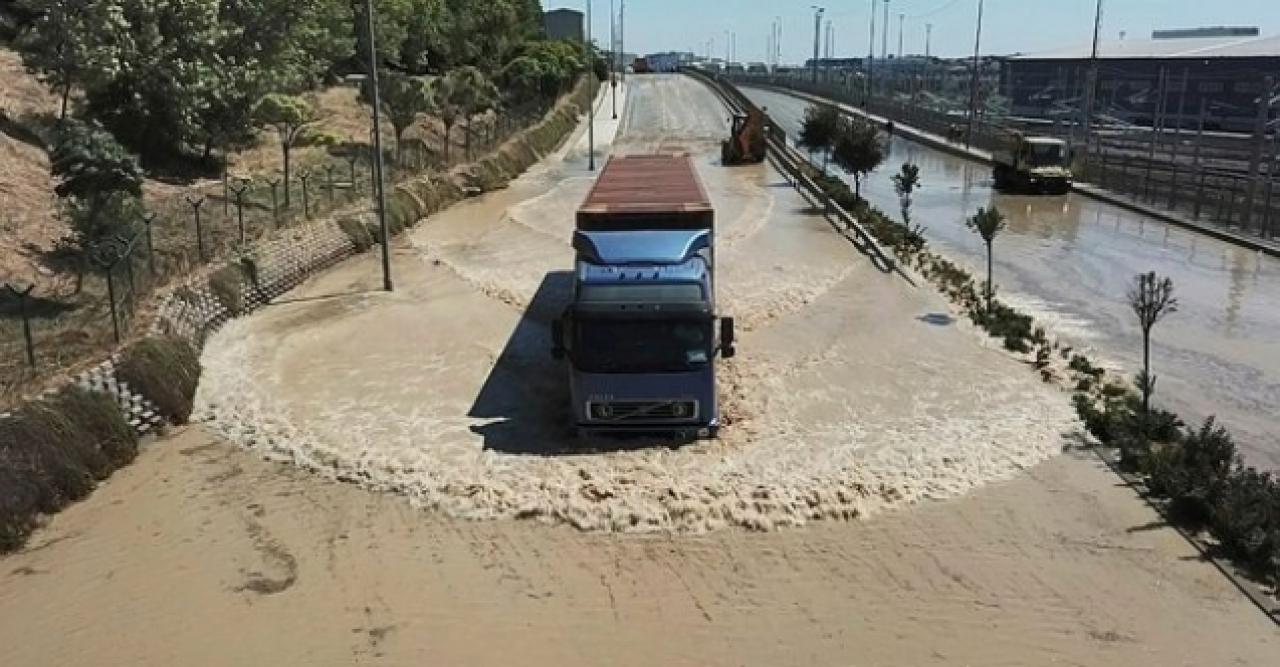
column 745, row 144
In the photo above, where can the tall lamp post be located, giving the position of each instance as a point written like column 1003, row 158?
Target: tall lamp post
column 973, row 84
column 871, row 58
column 591, row 88
column 817, row 38
column 613, row 58
column 378, row 192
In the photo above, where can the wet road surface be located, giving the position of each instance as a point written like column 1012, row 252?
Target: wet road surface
column 1069, row 261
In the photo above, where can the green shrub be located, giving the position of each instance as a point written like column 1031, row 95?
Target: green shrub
column 1193, row 474
column 164, row 369
column 1246, row 518
column 53, row 452
column 227, row 284
column 357, row 232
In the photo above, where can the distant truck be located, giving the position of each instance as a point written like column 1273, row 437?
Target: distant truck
column 641, row 66
column 1032, row 164
column 642, row 333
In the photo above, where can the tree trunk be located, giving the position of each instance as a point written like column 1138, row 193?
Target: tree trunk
column 990, row 286
column 66, row 97
column 857, row 186
column 448, row 132
column 1146, row 371
column 826, row 159
column 284, row 147
column 467, row 137
column 400, row 147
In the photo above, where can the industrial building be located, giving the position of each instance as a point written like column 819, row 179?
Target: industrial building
column 563, row 24
column 1226, row 68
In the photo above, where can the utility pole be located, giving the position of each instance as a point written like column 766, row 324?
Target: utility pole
column 613, row 58
column 928, row 39
column 817, row 38
column 591, row 88
column 777, row 43
column 902, row 18
column 1091, row 81
column 622, row 39
column 884, row 39
column 1265, row 100
column 871, row 57
column 379, row 191
column 728, row 56
column 973, row 84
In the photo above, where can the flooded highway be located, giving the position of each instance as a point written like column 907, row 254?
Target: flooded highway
column 1069, row 261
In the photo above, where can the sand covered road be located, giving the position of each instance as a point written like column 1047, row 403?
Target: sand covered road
column 845, row 400
column 202, row 554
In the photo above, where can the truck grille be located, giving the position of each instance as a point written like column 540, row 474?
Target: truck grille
column 643, row 411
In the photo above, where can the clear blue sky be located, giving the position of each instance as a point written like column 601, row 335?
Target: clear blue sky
column 1008, row 25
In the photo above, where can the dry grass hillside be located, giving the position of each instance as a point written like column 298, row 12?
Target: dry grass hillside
column 29, row 223
column 28, row 206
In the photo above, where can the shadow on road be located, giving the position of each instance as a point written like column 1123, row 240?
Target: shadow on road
column 526, row 394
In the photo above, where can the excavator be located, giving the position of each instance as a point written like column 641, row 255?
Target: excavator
column 746, row 144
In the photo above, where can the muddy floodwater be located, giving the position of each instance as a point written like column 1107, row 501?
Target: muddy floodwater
column 228, row 542
column 854, row 390
column 1069, row 260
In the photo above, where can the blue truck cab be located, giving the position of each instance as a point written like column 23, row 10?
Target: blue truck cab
column 642, row 333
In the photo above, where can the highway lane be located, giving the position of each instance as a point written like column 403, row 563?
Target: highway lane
column 1069, row 260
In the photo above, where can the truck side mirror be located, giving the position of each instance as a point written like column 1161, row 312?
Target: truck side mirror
column 557, row 339
column 727, row 349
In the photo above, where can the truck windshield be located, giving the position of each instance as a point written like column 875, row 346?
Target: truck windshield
column 641, row 346
column 1045, row 155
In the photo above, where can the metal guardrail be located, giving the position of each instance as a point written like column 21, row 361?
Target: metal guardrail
column 792, row 163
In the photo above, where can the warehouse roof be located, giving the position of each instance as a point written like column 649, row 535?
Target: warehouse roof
column 1190, row 47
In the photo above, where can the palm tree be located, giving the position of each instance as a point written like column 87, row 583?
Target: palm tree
column 987, row 222
column 1151, row 299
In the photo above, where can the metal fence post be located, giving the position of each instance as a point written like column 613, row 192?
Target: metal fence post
column 306, row 201
column 351, row 163
column 274, row 183
column 239, row 193
column 147, row 220
column 195, row 209
column 328, row 178
column 22, row 295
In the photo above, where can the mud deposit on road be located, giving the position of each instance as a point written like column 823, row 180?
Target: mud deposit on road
column 845, row 400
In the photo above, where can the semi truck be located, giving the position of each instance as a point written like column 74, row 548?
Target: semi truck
column 641, row 333
column 1032, row 164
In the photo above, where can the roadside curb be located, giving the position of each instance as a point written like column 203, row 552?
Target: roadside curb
column 1265, row 602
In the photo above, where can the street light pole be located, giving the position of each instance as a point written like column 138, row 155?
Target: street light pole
column 1091, row 85
column 884, row 39
column 817, row 38
column 871, row 57
column 973, row 84
column 613, row 57
column 902, row 18
column 591, row 89
column 379, row 192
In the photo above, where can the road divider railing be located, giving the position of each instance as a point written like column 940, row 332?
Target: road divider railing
column 796, row 168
